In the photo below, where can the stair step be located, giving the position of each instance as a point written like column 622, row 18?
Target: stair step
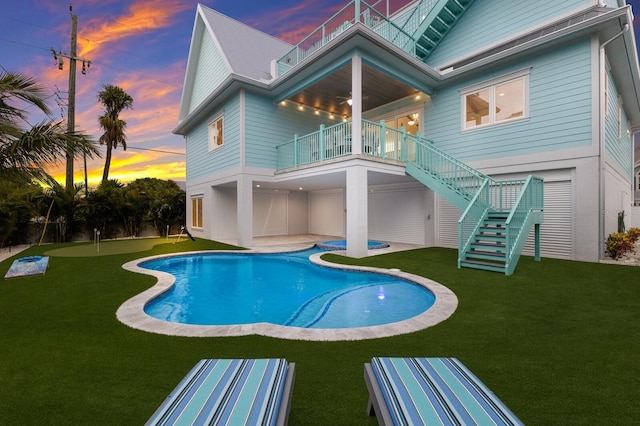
column 496, row 215
column 488, row 246
column 490, row 238
column 477, row 264
column 494, row 226
column 496, row 257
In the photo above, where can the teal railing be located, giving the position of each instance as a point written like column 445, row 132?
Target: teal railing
column 357, row 11
column 418, row 15
column 326, row 143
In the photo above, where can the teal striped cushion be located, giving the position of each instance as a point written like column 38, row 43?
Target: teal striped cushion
column 437, row 391
column 226, row 392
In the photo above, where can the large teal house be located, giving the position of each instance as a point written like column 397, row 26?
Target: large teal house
column 498, row 127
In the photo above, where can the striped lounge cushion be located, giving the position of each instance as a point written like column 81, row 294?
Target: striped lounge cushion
column 437, row 391
column 226, row 391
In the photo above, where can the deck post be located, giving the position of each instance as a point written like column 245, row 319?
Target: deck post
column 357, row 213
column 537, row 242
column 244, row 211
column 356, row 107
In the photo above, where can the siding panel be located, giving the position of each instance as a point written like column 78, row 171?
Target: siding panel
column 619, row 148
column 491, row 22
column 560, row 105
column 211, row 70
column 200, row 161
column 269, row 125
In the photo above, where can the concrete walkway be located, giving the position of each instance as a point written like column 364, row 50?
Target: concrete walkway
column 7, row 252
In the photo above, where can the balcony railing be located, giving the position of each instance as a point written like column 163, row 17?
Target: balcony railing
column 335, row 141
column 357, row 11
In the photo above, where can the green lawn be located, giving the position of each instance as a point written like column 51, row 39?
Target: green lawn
column 558, row 342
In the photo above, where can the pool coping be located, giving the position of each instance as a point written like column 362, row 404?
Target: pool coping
column 132, row 312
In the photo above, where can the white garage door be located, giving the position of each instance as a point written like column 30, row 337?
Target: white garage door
column 447, row 223
column 326, row 213
column 397, row 215
column 556, row 232
column 269, row 214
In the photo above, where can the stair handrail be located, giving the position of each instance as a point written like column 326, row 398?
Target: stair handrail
column 449, row 168
column 529, row 201
column 468, row 223
column 421, row 10
column 429, row 145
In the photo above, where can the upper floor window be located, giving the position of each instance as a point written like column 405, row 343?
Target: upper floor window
column 496, row 102
column 216, row 133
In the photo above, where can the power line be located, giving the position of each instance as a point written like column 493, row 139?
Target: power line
column 95, row 62
column 155, row 150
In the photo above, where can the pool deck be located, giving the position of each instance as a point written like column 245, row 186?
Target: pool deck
column 132, row 313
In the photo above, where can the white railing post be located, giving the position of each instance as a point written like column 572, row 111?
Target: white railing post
column 296, row 161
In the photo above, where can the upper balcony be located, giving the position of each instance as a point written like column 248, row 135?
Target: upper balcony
column 417, row 31
column 357, row 11
column 378, row 141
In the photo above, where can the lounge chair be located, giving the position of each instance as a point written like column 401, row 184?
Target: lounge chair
column 230, row 392
column 418, row 391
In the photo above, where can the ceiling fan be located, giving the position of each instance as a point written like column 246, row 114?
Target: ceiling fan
column 348, row 99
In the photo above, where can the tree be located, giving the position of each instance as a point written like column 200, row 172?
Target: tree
column 105, row 208
column 163, row 201
column 19, row 203
column 25, row 150
column 115, row 100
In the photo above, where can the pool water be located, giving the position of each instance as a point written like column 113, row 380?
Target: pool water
column 282, row 289
column 342, row 245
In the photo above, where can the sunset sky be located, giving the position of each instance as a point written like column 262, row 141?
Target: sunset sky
column 141, row 46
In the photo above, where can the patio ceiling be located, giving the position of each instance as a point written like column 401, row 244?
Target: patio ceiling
column 329, row 93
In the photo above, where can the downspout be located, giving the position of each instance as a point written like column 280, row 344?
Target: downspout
column 601, row 144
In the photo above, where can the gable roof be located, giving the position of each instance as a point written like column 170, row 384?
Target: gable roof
column 248, row 51
column 245, row 51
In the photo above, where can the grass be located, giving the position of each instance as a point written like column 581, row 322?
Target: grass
column 557, row 342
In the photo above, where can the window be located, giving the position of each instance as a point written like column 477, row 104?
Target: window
column 216, row 138
column 196, row 212
column 497, row 102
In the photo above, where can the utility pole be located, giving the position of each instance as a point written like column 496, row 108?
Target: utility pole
column 71, row 107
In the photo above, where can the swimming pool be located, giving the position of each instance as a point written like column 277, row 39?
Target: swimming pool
column 305, row 321
column 282, row 289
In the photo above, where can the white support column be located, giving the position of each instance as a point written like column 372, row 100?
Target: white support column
column 245, row 211
column 356, row 107
column 357, row 214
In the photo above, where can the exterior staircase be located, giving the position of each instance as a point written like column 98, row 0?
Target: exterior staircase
column 497, row 215
column 431, row 21
column 488, row 248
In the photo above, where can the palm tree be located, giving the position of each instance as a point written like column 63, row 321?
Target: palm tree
column 26, row 150
column 114, row 99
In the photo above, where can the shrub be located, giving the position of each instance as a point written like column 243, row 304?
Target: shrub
column 618, row 243
column 634, row 234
